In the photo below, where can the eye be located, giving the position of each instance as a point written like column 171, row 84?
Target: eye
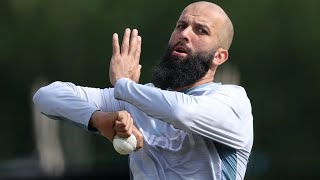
column 179, row 26
column 202, row 31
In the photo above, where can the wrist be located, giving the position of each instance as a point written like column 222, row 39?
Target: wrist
column 93, row 122
column 103, row 122
column 114, row 77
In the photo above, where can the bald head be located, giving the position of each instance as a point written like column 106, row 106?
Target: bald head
column 219, row 17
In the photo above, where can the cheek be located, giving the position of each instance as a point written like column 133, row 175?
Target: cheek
column 173, row 38
column 201, row 46
column 206, row 45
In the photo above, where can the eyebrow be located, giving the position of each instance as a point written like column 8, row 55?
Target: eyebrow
column 203, row 26
column 181, row 21
column 198, row 24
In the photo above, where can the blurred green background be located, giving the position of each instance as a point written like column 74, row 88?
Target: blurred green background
column 275, row 51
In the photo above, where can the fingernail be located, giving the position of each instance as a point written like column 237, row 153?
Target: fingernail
column 135, row 31
column 115, row 35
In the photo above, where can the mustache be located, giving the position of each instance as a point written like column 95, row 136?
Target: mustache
column 182, row 44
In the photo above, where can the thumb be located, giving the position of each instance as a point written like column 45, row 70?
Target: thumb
column 138, row 136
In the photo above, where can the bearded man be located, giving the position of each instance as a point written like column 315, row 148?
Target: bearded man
column 187, row 125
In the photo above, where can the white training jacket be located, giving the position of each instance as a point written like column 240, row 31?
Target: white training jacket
column 203, row 133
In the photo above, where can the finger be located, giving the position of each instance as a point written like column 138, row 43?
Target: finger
column 133, row 42
column 125, row 42
column 123, row 134
column 129, row 124
column 120, row 122
column 115, row 44
column 124, row 123
column 138, row 136
column 138, row 50
column 119, row 126
column 121, row 129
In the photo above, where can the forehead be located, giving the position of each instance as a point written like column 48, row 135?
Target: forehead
column 199, row 14
column 196, row 13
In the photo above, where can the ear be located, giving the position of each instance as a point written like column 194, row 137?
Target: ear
column 220, row 56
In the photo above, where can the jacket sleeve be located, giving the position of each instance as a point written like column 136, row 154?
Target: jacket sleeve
column 223, row 116
column 68, row 102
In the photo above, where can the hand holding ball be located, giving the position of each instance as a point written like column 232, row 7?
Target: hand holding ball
column 125, row 145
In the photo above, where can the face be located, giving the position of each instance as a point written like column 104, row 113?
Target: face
column 196, row 31
column 191, row 50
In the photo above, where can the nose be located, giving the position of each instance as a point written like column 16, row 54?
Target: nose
column 186, row 34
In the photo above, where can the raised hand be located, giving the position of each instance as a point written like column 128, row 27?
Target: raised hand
column 125, row 61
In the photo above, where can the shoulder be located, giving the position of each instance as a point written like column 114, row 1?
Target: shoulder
column 149, row 84
column 226, row 89
column 233, row 95
column 232, row 89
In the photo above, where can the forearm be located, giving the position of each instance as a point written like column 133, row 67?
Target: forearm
column 64, row 101
column 153, row 101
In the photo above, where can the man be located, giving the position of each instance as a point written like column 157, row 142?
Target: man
column 188, row 127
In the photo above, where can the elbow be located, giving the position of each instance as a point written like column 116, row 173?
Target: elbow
column 241, row 138
column 39, row 99
column 45, row 94
column 37, row 95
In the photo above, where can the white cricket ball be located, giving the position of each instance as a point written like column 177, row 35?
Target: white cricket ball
column 124, row 145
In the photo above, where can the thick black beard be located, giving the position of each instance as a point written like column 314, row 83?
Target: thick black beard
column 173, row 72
